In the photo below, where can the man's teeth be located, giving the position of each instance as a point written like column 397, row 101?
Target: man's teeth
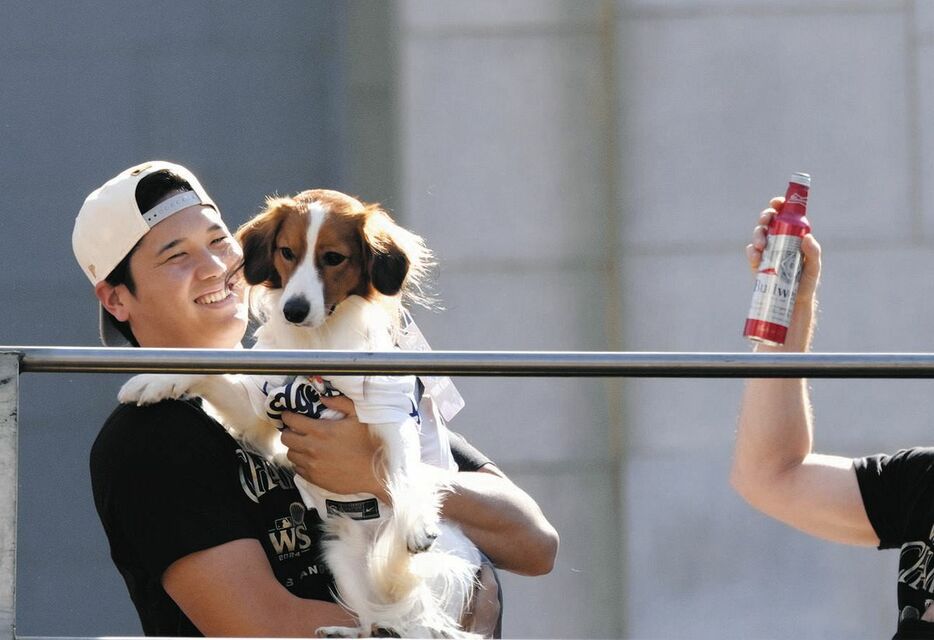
column 217, row 296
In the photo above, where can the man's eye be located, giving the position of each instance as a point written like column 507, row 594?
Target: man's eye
column 287, row 253
column 333, row 259
column 220, row 240
column 176, row 256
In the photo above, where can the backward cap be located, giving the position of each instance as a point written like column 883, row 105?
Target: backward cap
column 110, row 223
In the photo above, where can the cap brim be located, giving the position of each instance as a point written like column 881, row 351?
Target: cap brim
column 110, row 334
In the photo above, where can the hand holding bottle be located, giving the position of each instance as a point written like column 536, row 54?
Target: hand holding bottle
column 800, row 321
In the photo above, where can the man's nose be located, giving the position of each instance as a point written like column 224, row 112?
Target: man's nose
column 211, row 265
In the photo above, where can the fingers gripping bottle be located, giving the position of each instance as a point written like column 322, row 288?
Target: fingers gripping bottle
column 773, row 298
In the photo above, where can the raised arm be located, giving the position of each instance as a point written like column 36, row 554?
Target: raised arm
column 774, row 467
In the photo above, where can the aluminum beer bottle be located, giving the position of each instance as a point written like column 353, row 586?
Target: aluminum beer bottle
column 773, row 298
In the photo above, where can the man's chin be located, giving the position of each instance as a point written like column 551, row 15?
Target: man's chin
column 223, row 335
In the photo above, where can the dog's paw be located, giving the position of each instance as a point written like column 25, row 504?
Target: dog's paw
column 377, row 631
column 339, row 632
column 423, row 524
column 422, row 537
column 149, row 388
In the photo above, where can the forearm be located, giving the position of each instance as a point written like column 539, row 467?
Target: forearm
column 284, row 618
column 502, row 520
column 230, row 590
column 775, row 431
column 776, row 472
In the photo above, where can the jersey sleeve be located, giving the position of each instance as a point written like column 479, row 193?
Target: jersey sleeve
column 467, row 456
column 434, row 436
column 896, row 489
column 165, row 484
column 379, row 399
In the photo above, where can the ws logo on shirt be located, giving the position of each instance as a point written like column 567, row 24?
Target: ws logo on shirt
column 289, row 536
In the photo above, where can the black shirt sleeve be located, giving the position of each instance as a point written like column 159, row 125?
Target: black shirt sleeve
column 897, row 491
column 467, row 457
column 162, row 487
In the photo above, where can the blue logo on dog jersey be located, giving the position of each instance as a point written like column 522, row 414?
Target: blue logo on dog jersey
column 299, row 396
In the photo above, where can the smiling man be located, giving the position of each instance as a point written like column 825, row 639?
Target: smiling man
column 211, row 538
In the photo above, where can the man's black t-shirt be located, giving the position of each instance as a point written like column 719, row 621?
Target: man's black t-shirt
column 168, row 481
column 898, row 493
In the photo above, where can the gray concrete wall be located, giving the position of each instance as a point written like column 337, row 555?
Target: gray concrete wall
column 589, row 173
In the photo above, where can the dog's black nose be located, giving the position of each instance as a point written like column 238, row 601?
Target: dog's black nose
column 296, row 309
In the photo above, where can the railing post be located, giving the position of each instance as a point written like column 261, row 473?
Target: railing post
column 9, row 410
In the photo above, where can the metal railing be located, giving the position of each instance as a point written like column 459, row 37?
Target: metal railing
column 478, row 363
column 15, row 360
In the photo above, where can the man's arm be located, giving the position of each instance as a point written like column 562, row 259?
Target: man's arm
column 499, row 517
column 774, row 467
column 230, row 590
column 502, row 520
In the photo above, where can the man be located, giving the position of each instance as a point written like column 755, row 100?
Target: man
column 210, row 538
column 883, row 501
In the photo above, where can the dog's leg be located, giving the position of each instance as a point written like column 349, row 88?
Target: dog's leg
column 386, row 404
column 346, row 547
column 230, row 397
column 227, row 394
column 416, row 499
column 150, row 388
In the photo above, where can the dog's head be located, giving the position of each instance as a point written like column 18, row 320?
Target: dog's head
column 321, row 246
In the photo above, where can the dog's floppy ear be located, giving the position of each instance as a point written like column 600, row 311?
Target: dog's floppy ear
column 387, row 263
column 258, row 239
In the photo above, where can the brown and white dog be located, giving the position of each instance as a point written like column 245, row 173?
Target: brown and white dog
column 329, row 272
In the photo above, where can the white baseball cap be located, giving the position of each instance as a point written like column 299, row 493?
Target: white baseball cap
column 110, row 224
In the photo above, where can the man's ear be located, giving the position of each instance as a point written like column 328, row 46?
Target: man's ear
column 113, row 299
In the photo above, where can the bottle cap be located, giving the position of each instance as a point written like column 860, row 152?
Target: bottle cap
column 801, row 178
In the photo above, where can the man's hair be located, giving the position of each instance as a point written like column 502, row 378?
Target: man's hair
column 149, row 192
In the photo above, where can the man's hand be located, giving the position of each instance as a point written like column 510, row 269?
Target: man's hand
column 337, row 455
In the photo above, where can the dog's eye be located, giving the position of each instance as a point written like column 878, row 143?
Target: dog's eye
column 287, row 253
column 333, row 259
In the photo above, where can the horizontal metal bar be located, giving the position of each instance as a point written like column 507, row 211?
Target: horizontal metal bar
column 479, row 363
